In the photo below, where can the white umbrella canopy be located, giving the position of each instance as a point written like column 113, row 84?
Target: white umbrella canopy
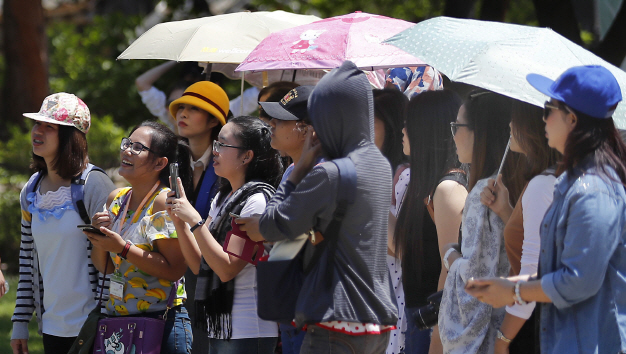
column 498, row 56
column 227, row 38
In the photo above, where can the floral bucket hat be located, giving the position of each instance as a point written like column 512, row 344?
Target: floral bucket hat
column 63, row 109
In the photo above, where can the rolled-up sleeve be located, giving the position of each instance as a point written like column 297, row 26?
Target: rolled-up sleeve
column 592, row 234
column 293, row 211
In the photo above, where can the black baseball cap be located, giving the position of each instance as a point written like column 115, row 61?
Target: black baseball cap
column 290, row 107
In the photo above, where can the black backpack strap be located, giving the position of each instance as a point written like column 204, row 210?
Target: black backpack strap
column 78, row 192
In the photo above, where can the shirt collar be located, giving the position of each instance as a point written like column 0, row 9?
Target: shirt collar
column 204, row 159
column 565, row 180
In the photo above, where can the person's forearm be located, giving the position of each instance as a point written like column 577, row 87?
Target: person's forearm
column 511, row 325
column 225, row 266
column 100, row 258
column 188, row 246
column 154, row 264
column 532, row 291
column 145, row 80
column 505, row 213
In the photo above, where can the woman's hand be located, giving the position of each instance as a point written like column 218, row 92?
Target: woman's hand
column 311, row 151
column 110, row 242
column 501, row 347
column 497, row 292
column 497, row 198
column 102, row 218
column 250, row 225
column 180, row 208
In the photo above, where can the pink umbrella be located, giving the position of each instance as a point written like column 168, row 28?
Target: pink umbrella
column 327, row 43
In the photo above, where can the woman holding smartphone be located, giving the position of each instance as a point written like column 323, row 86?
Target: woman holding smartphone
column 139, row 246
column 54, row 254
column 226, row 300
column 583, row 254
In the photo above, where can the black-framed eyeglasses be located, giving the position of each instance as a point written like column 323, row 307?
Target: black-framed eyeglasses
column 548, row 107
column 454, row 126
column 135, row 147
column 217, row 146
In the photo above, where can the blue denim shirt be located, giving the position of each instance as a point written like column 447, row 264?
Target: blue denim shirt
column 582, row 265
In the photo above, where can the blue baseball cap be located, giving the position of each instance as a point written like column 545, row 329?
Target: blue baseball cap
column 590, row 89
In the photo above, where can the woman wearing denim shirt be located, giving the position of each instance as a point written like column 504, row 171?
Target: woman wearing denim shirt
column 583, row 252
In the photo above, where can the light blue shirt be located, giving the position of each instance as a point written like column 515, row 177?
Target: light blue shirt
column 582, row 265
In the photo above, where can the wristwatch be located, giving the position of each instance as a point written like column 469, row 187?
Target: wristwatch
column 194, row 227
column 502, row 337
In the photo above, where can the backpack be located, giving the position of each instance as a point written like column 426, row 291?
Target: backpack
column 77, row 187
column 279, row 282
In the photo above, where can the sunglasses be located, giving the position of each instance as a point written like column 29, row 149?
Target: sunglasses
column 135, row 147
column 548, row 107
column 454, row 126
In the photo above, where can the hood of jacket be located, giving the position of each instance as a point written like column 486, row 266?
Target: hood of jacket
column 341, row 108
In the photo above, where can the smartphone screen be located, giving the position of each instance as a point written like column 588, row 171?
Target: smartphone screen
column 173, row 179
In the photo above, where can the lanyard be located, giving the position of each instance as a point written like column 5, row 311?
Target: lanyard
column 145, row 199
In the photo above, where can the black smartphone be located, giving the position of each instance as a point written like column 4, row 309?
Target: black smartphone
column 90, row 228
column 234, row 215
column 173, row 179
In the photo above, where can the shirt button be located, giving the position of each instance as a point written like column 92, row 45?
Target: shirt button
column 545, row 225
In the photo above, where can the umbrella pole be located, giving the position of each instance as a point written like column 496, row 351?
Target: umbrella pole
column 242, row 80
column 293, row 78
column 207, row 71
column 265, row 79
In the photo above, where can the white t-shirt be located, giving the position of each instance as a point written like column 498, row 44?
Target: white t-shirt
column 64, row 267
column 399, row 190
column 245, row 321
column 535, row 202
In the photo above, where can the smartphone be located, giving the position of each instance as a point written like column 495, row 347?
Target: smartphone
column 173, row 179
column 90, row 228
column 234, row 215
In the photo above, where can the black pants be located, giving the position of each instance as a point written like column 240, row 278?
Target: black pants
column 525, row 341
column 57, row 345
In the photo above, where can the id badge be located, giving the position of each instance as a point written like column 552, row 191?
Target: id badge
column 116, row 287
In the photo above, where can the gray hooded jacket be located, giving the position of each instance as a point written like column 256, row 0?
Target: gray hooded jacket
column 341, row 111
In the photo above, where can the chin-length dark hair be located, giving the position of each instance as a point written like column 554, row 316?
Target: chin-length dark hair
column 529, row 132
column 164, row 143
column 390, row 107
column 488, row 115
column 597, row 138
column 253, row 134
column 432, row 155
column 71, row 157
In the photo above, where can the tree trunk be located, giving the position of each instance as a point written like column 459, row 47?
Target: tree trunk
column 559, row 15
column 26, row 56
column 612, row 48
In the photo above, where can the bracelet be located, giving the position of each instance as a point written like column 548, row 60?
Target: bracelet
column 518, row 297
column 124, row 252
column 445, row 258
column 194, row 227
column 502, row 337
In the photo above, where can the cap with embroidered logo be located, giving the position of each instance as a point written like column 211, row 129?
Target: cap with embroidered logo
column 591, row 89
column 292, row 106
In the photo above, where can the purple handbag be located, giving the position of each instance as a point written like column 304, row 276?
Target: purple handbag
column 132, row 335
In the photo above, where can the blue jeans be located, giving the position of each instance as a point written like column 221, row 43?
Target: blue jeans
column 292, row 338
column 177, row 335
column 319, row 340
column 245, row 345
column 415, row 341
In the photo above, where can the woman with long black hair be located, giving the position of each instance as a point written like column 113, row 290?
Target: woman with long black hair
column 583, row 253
column 434, row 174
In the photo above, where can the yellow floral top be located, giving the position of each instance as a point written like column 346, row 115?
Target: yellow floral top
column 142, row 292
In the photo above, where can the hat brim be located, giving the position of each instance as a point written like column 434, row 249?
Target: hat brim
column 194, row 101
column 42, row 118
column 543, row 85
column 275, row 110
